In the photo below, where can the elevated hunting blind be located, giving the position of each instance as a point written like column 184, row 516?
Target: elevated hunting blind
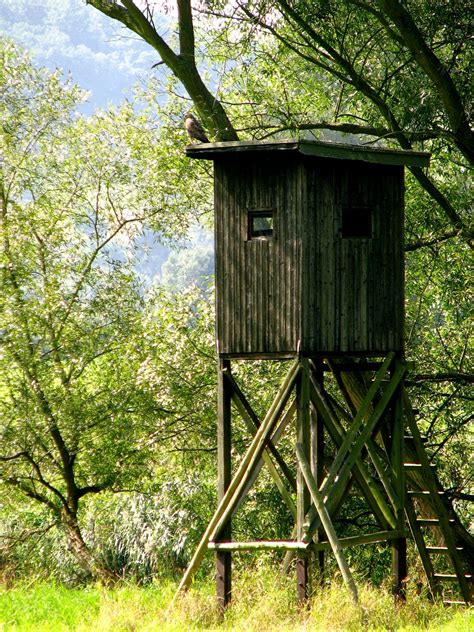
column 310, row 266
column 309, row 247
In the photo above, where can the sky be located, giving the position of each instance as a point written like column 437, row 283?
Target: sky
column 102, row 57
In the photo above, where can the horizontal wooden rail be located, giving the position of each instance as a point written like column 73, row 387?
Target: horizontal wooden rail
column 291, row 545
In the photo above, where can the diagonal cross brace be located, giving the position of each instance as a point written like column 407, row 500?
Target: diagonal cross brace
column 358, row 434
column 267, row 460
column 373, row 449
column 325, row 520
column 253, row 423
column 241, row 476
column 362, row 475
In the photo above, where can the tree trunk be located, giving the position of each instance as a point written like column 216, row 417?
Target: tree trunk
column 81, row 551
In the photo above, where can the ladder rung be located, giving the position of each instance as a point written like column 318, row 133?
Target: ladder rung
column 450, row 602
column 450, row 578
column 417, row 465
column 441, row 549
column 421, row 494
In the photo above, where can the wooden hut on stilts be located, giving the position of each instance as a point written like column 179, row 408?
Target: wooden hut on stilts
column 310, row 270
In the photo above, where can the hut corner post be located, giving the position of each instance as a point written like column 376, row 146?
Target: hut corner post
column 224, row 436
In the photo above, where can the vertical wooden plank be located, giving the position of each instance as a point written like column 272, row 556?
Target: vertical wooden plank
column 248, row 201
column 237, row 248
column 302, row 256
column 400, row 278
column 278, row 256
column 224, row 432
column 218, row 243
column 227, row 260
column 269, row 333
column 337, row 273
column 303, row 437
column 311, row 237
column 380, row 299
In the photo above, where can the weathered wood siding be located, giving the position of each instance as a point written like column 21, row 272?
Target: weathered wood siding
column 258, row 281
column 308, row 283
column 353, row 298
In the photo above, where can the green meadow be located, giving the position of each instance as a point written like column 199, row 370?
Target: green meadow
column 263, row 600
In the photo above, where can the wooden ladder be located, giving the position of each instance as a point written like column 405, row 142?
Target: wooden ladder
column 433, row 493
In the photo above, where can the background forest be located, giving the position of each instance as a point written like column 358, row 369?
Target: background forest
column 108, row 377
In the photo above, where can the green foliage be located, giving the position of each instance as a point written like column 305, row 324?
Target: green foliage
column 77, row 414
column 47, row 607
column 188, row 266
column 108, row 387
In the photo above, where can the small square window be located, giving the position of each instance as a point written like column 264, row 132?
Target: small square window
column 356, row 222
column 260, row 224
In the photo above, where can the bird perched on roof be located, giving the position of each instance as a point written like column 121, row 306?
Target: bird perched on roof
column 194, row 128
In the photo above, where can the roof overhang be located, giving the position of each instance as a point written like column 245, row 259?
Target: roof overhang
column 316, row 148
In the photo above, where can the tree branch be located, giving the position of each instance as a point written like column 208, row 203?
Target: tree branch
column 31, row 493
column 186, row 30
column 363, row 86
column 435, row 70
column 450, row 435
column 459, row 495
column 352, row 128
column 467, row 378
column 183, row 66
column 380, row 17
column 422, row 243
column 39, row 476
column 91, row 489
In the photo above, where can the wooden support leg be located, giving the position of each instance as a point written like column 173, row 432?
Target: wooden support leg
column 303, row 433
column 399, row 568
column 224, row 559
column 223, row 579
column 302, row 577
column 399, row 546
column 317, row 457
column 221, row 517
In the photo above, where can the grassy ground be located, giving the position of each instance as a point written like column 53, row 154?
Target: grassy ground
column 262, row 601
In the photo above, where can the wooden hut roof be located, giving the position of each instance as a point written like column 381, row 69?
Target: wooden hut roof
column 317, row 148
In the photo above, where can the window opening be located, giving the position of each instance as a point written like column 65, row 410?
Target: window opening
column 356, row 222
column 260, row 224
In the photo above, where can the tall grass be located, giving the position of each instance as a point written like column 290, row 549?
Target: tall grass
column 263, row 600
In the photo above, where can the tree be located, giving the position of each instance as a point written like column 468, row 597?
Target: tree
column 401, row 74
column 188, row 266
column 367, row 71
column 75, row 194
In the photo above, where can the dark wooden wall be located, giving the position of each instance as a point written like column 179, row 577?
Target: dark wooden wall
column 307, row 283
column 257, row 281
column 353, row 297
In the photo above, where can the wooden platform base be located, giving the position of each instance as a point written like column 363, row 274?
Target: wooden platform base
column 366, row 424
